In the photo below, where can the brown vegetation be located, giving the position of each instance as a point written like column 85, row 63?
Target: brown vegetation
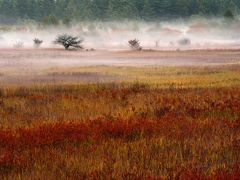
column 120, row 131
column 148, row 123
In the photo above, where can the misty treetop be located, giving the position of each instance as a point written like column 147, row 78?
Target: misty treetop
column 54, row 11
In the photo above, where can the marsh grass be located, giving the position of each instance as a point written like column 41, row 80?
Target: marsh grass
column 163, row 77
column 144, row 128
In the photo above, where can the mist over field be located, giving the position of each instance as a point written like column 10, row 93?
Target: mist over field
column 193, row 33
column 120, row 89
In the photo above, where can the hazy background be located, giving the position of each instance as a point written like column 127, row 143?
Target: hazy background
column 194, row 33
column 110, row 24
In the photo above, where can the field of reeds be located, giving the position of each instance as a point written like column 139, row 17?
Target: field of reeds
column 154, row 123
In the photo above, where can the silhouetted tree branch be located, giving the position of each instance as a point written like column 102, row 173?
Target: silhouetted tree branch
column 135, row 44
column 69, row 41
column 37, row 42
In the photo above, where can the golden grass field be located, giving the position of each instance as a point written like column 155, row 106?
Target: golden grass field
column 122, row 122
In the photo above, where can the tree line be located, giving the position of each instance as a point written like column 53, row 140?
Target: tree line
column 54, row 11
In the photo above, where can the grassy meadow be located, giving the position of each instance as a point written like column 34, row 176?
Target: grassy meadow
column 150, row 123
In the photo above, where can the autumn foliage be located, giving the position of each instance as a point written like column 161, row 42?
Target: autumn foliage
column 120, row 132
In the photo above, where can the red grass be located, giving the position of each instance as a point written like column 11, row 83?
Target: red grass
column 176, row 133
column 177, row 128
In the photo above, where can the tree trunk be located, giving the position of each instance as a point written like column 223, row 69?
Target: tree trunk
column 66, row 47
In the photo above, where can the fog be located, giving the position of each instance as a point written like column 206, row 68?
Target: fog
column 194, row 33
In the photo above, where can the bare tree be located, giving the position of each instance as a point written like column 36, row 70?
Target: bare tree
column 18, row 44
column 37, row 42
column 135, row 44
column 184, row 42
column 69, row 41
column 156, row 44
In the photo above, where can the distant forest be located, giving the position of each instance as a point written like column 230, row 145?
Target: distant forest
column 55, row 11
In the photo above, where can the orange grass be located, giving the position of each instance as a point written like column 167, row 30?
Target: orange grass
column 120, row 132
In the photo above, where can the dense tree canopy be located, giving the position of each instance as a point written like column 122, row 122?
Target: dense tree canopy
column 65, row 10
